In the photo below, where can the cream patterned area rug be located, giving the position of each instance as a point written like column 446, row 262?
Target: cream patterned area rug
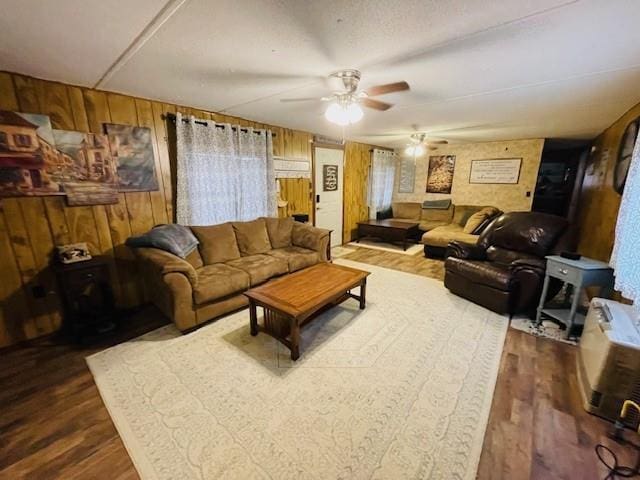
column 412, row 248
column 400, row 390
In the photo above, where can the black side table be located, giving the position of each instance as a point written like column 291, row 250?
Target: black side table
column 87, row 296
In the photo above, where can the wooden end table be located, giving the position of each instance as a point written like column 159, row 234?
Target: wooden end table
column 388, row 230
column 291, row 301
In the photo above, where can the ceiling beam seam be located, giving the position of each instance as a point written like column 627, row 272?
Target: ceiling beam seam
column 169, row 9
column 519, row 87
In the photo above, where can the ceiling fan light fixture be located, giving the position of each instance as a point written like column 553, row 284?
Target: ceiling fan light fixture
column 344, row 114
column 414, row 150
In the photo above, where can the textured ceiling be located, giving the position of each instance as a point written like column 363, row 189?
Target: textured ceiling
column 478, row 70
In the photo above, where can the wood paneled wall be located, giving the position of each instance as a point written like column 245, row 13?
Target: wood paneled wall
column 599, row 202
column 357, row 165
column 30, row 227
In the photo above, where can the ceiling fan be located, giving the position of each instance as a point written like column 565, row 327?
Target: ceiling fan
column 418, row 142
column 344, row 108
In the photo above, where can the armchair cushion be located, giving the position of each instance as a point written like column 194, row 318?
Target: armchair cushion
column 480, row 272
column 217, row 243
column 468, row 251
column 218, row 281
column 260, row 267
column 252, row 237
column 279, row 231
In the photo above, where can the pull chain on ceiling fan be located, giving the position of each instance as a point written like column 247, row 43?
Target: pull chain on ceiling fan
column 345, row 108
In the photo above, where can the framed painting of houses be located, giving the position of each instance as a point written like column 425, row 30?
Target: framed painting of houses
column 132, row 151
column 29, row 161
column 89, row 172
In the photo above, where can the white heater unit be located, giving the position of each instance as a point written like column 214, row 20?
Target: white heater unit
column 608, row 360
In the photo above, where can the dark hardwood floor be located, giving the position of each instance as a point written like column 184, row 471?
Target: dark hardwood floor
column 53, row 424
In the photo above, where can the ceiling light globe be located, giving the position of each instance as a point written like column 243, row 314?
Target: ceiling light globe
column 419, row 150
column 354, row 113
column 337, row 114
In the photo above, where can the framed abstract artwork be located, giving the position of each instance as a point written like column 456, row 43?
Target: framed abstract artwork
column 440, row 176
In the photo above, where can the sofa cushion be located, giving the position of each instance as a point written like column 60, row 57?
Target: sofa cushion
column 437, row 214
column 478, row 218
column 441, row 236
column 279, row 231
column 409, row 210
column 483, row 273
column 307, row 236
column 252, row 237
column 260, row 267
column 217, row 243
column 297, row 257
column 195, row 259
column 427, row 225
column 463, row 212
column 218, row 281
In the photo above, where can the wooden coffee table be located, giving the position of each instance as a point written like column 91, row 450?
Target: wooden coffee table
column 291, row 301
column 389, row 230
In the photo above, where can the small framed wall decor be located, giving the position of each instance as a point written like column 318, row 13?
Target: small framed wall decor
column 495, row 171
column 330, row 178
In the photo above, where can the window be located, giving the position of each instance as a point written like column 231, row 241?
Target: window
column 383, row 169
column 22, row 140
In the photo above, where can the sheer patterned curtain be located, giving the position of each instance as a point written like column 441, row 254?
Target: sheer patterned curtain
column 223, row 174
column 625, row 259
column 383, row 170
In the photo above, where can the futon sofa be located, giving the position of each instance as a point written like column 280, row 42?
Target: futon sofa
column 504, row 270
column 230, row 258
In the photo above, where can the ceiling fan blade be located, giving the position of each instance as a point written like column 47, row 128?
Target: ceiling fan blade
column 375, row 104
column 308, row 99
column 436, row 142
column 388, row 88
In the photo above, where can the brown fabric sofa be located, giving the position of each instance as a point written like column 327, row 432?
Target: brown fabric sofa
column 230, row 258
column 428, row 218
column 505, row 270
column 466, row 225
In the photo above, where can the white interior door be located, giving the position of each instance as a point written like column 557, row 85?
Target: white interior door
column 328, row 189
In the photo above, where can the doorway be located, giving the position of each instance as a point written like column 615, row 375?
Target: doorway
column 560, row 177
column 328, row 172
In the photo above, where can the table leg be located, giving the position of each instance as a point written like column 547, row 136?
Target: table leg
column 404, row 243
column 253, row 317
column 363, row 294
column 574, row 308
column 543, row 296
column 295, row 339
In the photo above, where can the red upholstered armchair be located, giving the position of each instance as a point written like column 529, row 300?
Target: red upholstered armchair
column 505, row 270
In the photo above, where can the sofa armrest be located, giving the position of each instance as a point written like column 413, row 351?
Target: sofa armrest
column 161, row 263
column 467, row 251
column 313, row 238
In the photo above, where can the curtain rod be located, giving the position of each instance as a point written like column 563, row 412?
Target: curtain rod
column 173, row 118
